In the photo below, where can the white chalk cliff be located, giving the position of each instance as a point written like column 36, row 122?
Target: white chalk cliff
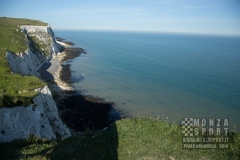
column 32, row 59
column 40, row 119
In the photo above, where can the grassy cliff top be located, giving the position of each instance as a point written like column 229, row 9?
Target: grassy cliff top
column 127, row 139
column 14, row 88
column 21, row 21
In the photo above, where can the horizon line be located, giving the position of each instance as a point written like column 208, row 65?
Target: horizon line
column 145, row 31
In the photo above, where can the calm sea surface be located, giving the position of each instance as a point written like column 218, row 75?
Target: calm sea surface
column 173, row 76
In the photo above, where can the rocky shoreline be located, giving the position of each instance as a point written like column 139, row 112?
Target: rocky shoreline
column 77, row 111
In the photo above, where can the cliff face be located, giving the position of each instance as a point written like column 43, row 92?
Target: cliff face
column 26, row 63
column 40, row 119
column 44, row 34
column 42, row 46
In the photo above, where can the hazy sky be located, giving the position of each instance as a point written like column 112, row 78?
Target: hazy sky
column 186, row 16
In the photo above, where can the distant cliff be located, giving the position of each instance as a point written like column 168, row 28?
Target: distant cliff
column 40, row 118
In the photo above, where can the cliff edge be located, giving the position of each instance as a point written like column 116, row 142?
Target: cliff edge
column 28, row 49
column 42, row 46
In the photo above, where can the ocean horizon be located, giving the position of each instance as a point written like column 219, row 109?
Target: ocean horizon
column 171, row 76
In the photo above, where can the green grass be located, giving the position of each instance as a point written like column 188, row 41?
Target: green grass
column 11, row 37
column 138, row 138
column 21, row 21
column 12, row 85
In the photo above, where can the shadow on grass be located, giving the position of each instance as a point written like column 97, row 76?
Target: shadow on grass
column 90, row 145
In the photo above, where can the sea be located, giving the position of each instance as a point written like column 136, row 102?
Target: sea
column 160, row 75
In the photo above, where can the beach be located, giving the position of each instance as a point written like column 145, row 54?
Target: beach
column 79, row 112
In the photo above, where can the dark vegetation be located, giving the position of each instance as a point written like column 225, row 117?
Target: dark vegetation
column 83, row 112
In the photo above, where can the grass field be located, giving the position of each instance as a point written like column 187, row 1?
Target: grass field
column 21, row 21
column 14, row 88
column 135, row 138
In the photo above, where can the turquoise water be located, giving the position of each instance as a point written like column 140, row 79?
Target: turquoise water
column 173, row 76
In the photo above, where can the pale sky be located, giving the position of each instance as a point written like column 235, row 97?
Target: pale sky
column 182, row 16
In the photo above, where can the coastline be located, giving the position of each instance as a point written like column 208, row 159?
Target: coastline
column 77, row 111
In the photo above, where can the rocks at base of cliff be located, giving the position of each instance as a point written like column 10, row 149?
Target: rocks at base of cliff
column 40, row 119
